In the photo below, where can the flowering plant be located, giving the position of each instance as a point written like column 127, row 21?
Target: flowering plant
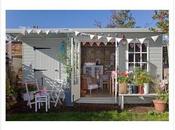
column 141, row 77
column 162, row 91
column 123, row 77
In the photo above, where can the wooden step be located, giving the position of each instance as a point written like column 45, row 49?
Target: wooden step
column 95, row 107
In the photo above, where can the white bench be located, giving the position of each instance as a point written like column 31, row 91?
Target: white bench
column 122, row 96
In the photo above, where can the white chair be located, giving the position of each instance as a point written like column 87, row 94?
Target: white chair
column 39, row 98
column 56, row 91
column 91, row 86
column 42, row 98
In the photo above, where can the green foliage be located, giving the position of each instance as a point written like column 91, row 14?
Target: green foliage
column 162, row 93
column 89, row 116
column 131, row 78
column 10, row 91
column 65, row 60
column 162, row 18
column 122, row 19
column 163, row 96
column 141, row 76
column 122, row 78
column 31, row 87
column 10, row 95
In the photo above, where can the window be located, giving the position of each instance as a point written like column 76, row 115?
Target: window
column 137, row 56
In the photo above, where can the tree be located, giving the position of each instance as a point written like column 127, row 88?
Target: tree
column 122, row 19
column 162, row 18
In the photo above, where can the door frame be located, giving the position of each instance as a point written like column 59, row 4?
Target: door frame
column 76, row 69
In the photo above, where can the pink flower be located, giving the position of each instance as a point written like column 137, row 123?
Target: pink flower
column 44, row 90
column 113, row 74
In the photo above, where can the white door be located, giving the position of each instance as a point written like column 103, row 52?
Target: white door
column 46, row 64
column 75, row 63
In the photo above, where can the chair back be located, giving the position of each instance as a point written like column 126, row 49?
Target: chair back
column 89, row 81
column 26, row 86
column 29, row 98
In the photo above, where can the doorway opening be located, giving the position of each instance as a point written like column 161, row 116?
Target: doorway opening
column 97, row 64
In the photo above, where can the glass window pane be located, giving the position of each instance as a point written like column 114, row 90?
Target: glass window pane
column 144, row 66
column 137, row 47
column 144, row 48
column 144, row 57
column 137, row 65
column 131, row 57
column 131, row 47
column 137, row 57
column 131, row 66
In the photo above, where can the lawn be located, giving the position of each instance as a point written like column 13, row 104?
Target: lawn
column 89, row 116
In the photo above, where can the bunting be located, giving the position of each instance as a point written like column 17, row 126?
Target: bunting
column 56, row 31
column 109, row 38
column 118, row 39
column 129, row 40
column 76, row 33
column 98, row 37
column 29, row 31
column 38, row 31
column 105, row 43
column 47, row 31
column 142, row 40
column 155, row 38
column 92, row 36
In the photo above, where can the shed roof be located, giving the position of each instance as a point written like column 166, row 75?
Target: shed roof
column 95, row 30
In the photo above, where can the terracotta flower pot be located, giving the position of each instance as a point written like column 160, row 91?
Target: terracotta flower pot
column 160, row 105
column 140, row 89
column 123, row 88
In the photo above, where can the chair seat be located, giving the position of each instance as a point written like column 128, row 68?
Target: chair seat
column 92, row 86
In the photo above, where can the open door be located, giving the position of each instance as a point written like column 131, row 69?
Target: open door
column 75, row 63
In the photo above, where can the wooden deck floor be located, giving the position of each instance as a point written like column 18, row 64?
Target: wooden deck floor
column 97, row 100
column 111, row 100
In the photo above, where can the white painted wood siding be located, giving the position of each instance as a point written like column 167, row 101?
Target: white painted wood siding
column 43, row 59
column 155, row 54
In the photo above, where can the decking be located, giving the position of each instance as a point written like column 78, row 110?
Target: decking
column 123, row 99
column 97, row 100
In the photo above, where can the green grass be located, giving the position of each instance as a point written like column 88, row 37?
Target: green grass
column 89, row 116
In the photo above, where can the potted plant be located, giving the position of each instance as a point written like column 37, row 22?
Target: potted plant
column 132, row 89
column 146, row 78
column 161, row 101
column 123, row 81
column 142, row 79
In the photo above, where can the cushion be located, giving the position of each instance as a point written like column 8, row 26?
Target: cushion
column 92, row 86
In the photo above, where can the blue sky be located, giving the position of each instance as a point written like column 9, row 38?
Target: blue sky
column 70, row 18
